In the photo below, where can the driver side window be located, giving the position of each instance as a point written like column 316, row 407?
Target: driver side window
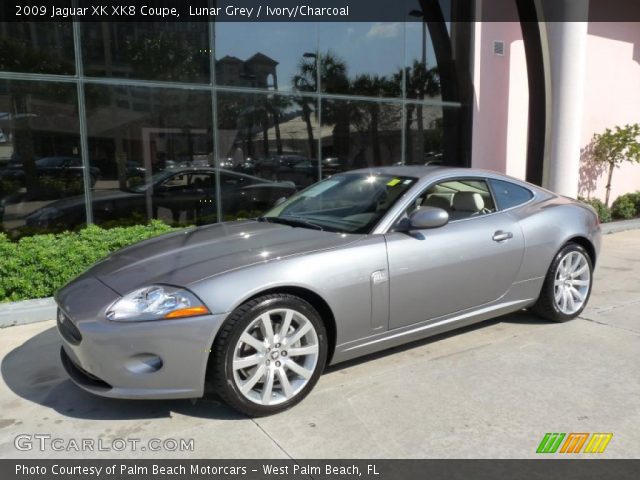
column 462, row 198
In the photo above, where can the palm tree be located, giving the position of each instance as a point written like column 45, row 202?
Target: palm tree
column 419, row 82
column 373, row 86
column 333, row 79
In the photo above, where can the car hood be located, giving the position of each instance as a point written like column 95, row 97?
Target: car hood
column 191, row 255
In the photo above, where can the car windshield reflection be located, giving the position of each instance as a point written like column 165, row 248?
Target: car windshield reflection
column 346, row 203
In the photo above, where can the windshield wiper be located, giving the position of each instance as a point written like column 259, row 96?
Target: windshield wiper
column 291, row 221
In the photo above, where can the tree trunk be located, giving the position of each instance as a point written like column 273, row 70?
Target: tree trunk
column 407, row 133
column 609, row 177
column 307, row 119
column 375, row 135
column 276, row 124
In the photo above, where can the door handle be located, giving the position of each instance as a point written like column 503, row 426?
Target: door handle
column 501, row 236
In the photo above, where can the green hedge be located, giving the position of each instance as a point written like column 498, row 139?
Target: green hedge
column 626, row 206
column 604, row 212
column 34, row 267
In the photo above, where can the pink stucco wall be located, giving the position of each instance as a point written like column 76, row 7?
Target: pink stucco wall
column 612, row 97
column 501, row 97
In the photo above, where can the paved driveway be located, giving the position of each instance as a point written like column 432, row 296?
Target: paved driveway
column 489, row 391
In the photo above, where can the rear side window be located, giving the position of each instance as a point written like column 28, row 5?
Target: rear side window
column 508, row 194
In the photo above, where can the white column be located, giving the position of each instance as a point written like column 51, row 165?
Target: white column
column 567, row 57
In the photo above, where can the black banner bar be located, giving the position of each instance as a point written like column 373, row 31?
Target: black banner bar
column 583, row 469
column 314, row 10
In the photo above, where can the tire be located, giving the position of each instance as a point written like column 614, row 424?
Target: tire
column 243, row 368
column 577, row 281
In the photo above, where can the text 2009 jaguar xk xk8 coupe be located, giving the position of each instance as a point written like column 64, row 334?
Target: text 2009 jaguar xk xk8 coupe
column 357, row 263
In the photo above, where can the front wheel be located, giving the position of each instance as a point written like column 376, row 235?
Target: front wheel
column 567, row 286
column 269, row 354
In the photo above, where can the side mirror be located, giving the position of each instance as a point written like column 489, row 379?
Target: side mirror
column 280, row 201
column 428, row 217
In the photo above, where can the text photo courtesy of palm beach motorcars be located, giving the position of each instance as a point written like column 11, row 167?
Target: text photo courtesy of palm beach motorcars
column 400, row 232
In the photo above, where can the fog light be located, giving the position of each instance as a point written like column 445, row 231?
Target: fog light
column 144, row 363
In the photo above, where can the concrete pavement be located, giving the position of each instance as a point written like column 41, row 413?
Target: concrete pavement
column 491, row 391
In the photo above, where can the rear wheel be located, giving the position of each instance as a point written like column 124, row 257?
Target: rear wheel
column 269, row 354
column 567, row 286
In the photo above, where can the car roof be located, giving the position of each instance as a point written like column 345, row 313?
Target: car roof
column 437, row 171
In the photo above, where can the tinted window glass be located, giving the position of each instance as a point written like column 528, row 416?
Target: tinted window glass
column 509, row 194
column 38, row 134
column 170, row 51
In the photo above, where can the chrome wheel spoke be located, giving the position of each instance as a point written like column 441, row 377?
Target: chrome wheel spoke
column 287, row 389
column 246, row 362
column 297, row 335
column 581, row 283
column 301, row 351
column 255, row 378
column 252, row 341
column 577, row 294
column 267, row 327
column 300, row 370
column 563, row 302
column 575, row 261
column 267, row 388
column 570, row 301
column 558, row 295
column 584, row 268
column 286, row 323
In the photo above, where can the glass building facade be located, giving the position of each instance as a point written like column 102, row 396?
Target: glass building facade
column 194, row 123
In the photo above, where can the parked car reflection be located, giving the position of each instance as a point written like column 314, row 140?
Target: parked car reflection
column 56, row 167
column 298, row 169
column 183, row 195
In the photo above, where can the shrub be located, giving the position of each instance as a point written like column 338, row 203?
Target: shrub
column 636, row 200
column 35, row 267
column 604, row 212
column 624, row 206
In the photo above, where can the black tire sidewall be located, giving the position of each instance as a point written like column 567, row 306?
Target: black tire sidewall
column 232, row 394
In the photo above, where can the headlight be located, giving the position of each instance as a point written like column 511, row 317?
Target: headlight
column 156, row 302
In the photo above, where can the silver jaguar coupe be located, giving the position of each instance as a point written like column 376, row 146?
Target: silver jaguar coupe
column 254, row 310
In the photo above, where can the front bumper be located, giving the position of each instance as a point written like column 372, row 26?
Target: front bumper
column 146, row 360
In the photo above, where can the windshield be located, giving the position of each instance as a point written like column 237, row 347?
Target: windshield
column 347, row 203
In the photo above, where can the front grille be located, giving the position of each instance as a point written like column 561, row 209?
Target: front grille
column 67, row 329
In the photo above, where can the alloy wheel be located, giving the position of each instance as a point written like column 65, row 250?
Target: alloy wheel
column 572, row 282
column 275, row 356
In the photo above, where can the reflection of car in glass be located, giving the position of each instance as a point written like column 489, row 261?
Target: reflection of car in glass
column 181, row 190
column 293, row 168
column 332, row 165
column 357, row 263
column 55, row 167
column 134, row 169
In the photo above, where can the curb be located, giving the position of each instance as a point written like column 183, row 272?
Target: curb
column 27, row 311
column 620, row 226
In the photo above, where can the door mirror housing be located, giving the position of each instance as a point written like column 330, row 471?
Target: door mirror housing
column 428, row 217
column 280, row 201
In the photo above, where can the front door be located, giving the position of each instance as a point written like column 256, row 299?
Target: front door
column 471, row 261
